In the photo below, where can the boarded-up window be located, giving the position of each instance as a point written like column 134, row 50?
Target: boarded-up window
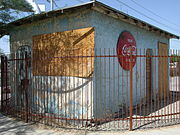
column 56, row 54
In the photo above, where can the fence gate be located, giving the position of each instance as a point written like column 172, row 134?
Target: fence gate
column 23, row 72
column 15, row 82
column 5, row 89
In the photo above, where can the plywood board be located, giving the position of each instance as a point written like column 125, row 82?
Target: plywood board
column 149, row 75
column 163, row 70
column 57, row 54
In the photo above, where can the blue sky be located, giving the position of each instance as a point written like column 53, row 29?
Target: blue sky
column 164, row 14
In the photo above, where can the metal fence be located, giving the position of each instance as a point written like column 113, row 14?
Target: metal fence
column 95, row 89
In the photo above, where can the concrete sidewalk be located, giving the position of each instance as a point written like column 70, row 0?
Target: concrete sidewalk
column 10, row 126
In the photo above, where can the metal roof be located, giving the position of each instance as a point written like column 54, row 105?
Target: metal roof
column 94, row 5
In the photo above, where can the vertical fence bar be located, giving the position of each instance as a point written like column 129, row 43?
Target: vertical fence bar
column 118, row 87
column 176, row 100
column 105, row 91
column 178, row 66
column 140, row 83
column 144, row 86
column 2, row 82
column 78, row 81
column 155, row 96
column 123, row 95
column 122, row 113
column 114, row 87
column 60, row 94
column 74, row 84
column 100, row 84
column 172, row 90
column 51, row 93
column 86, row 94
column 109, row 88
column 91, row 89
column 6, row 81
column 136, row 75
column 164, row 85
column 58, row 91
column 131, row 94
column 26, row 88
column 82, row 59
column 127, row 94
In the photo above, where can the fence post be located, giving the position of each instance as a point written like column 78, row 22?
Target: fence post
column 26, row 88
column 131, row 92
column 6, row 81
column 2, row 80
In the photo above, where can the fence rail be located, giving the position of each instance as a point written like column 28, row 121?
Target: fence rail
column 100, row 90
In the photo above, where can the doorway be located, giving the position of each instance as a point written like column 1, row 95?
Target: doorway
column 163, row 70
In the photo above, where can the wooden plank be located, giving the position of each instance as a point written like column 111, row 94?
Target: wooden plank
column 83, row 36
column 65, row 44
column 149, row 75
column 163, row 70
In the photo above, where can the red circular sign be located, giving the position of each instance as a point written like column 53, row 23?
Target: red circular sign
column 125, row 47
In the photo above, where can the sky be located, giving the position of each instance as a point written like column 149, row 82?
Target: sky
column 164, row 14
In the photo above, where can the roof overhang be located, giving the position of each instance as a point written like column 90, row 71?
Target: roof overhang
column 97, row 6
column 105, row 9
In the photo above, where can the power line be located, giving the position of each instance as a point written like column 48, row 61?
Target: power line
column 175, row 40
column 56, row 4
column 80, row 1
column 66, row 4
column 147, row 16
column 154, row 13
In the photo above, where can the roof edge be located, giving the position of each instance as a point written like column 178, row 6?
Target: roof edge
column 95, row 5
column 132, row 20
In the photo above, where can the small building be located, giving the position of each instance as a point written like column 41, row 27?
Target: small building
column 65, row 76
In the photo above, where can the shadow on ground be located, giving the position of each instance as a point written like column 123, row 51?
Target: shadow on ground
column 11, row 126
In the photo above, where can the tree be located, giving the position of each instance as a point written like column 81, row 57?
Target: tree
column 10, row 8
column 1, row 53
column 174, row 58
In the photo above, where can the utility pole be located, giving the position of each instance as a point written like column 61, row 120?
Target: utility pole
column 52, row 4
column 34, row 5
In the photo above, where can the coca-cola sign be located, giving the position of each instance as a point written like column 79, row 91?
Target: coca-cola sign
column 126, row 50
